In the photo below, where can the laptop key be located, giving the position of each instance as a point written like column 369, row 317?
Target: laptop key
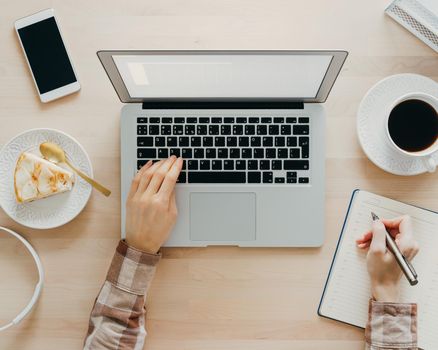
column 182, row 177
column 228, row 164
column 304, row 141
column 254, row 177
column 274, row 130
column 210, row 153
column 204, row 165
column 291, row 141
column 276, row 165
column 291, row 174
column 219, row 141
column 254, row 120
column 166, row 120
column 234, row 153
column 225, row 129
column 178, row 120
column 305, row 151
column 256, row 141
column 213, row 129
column 303, row 120
column 217, row 177
column 160, row 141
column 145, row 141
column 246, row 152
column 268, row 141
column 154, row 130
column 262, row 130
column 192, row 120
column 201, row 129
column 229, row 120
column 294, row 153
column 303, row 180
column 243, row 141
column 265, row 165
column 291, row 120
column 142, row 130
column 183, row 141
column 237, row 130
column 163, row 153
column 166, row 130
column 286, row 130
column 267, row 177
column 192, row 164
column 204, row 120
column 141, row 163
column 279, row 120
column 296, row 165
column 207, row 141
column 216, row 120
column 142, row 120
column 186, row 153
column 240, row 164
column 195, row 141
column 249, row 129
column 270, row 153
column 301, row 130
column 154, row 120
column 216, row 164
column 148, row 153
column 266, row 120
column 198, row 153
column 175, row 152
column 222, row 153
column 259, row 153
column 241, row 120
column 178, row 130
column 279, row 180
column 231, row 141
column 253, row 165
column 279, row 141
column 172, row 141
column 291, row 180
column 282, row 153
column 189, row 130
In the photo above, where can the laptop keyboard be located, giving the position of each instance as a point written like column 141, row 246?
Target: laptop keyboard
column 234, row 150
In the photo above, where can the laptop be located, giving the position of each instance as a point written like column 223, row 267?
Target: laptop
column 251, row 128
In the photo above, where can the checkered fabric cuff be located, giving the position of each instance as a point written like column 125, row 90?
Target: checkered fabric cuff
column 131, row 269
column 391, row 326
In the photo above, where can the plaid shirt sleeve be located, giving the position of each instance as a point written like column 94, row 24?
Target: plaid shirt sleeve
column 118, row 316
column 391, row 326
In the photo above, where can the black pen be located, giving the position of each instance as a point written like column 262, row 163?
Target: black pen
column 402, row 261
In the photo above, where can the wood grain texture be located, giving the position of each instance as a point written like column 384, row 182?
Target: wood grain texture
column 217, row 297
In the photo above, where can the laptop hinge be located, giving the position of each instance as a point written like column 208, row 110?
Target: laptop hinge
column 223, row 105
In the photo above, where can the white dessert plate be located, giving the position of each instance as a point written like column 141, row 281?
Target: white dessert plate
column 371, row 121
column 53, row 211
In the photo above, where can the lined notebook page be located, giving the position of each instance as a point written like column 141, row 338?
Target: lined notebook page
column 348, row 289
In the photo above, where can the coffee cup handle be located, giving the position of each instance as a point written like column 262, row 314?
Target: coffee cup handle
column 430, row 164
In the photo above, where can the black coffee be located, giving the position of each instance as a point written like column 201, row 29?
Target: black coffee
column 413, row 125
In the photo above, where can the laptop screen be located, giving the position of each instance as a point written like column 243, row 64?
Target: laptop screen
column 223, row 75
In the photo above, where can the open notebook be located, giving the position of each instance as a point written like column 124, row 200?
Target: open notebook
column 347, row 290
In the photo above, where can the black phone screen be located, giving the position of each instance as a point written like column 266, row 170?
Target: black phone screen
column 47, row 55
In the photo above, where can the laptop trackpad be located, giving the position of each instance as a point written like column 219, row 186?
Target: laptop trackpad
column 222, row 216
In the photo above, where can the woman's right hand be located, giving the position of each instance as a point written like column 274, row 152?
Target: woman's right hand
column 382, row 266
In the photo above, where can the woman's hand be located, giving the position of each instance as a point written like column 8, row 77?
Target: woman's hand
column 151, row 208
column 382, row 266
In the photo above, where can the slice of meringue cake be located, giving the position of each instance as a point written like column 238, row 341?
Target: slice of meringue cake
column 36, row 178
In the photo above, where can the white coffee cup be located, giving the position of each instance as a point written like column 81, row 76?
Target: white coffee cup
column 426, row 154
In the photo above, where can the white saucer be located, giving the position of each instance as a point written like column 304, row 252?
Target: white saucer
column 371, row 122
column 49, row 212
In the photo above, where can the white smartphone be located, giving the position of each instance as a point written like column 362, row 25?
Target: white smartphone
column 47, row 55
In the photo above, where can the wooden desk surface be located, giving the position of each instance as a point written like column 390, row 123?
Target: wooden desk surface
column 218, row 297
